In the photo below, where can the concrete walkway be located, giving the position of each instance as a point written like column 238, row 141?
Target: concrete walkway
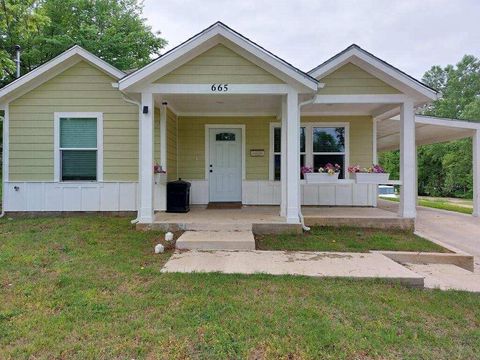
column 318, row 264
column 456, row 231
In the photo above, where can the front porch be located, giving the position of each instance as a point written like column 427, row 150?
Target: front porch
column 267, row 220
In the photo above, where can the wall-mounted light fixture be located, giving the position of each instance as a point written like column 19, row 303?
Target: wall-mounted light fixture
column 145, row 109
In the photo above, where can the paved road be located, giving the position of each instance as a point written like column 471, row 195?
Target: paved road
column 459, row 231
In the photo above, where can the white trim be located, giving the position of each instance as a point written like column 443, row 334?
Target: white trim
column 56, row 143
column 227, row 114
column 6, row 153
column 76, row 52
column 360, row 99
column 335, row 113
column 360, row 57
column 455, row 123
column 476, row 173
column 271, row 151
column 374, row 142
column 233, row 89
column 432, row 120
column 309, row 153
column 208, row 38
column 207, row 145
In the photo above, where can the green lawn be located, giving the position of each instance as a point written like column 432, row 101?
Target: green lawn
column 90, row 288
column 348, row 239
column 438, row 203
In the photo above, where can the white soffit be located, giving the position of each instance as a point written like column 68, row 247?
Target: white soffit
column 219, row 33
column 52, row 68
column 428, row 130
column 378, row 68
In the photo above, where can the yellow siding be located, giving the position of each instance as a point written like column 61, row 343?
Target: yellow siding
column 219, row 65
column 350, row 79
column 171, row 145
column 191, row 145
column 156, row 135
column 361, row 136
column 81, row 88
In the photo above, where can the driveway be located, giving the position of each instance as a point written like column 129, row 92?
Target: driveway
column 459, row 232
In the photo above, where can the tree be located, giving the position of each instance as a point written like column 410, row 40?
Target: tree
column 20, row 23
column 446, row 169
column 114, row 30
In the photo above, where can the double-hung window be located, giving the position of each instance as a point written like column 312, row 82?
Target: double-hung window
column 277, row 138
column 320, row 144
column 78, row 139
column 328, row 146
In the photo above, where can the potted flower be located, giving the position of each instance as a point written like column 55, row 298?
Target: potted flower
column 371, row 175
column 327, row 174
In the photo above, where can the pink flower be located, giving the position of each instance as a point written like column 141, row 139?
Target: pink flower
column 306, row 169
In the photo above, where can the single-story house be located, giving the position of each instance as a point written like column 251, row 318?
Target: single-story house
column 221, row 112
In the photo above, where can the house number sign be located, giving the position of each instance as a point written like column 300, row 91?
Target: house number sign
column 219, row 88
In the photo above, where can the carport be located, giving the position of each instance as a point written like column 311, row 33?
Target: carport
column 431, row 130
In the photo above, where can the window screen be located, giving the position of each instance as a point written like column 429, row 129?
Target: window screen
column 78, row 148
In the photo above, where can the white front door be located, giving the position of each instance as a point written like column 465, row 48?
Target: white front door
column 225, row 165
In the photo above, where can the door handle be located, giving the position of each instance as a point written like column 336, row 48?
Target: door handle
column 211, row 170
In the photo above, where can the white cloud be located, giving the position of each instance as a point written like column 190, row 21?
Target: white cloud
column 410, row 34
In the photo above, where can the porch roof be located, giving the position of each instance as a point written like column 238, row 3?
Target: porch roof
column 428, row 130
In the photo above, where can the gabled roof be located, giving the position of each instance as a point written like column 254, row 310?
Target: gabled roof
column 52, row 68
column 376, row 66
column 213, row 35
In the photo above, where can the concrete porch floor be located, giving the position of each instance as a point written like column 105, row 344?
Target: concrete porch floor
column 266, row 219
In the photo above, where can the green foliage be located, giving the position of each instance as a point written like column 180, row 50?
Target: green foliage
column 114, row 30
column 445, row 169
column 390, row 161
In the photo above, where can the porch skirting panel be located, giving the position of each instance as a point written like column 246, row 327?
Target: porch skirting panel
column 54, row 196
column 342, row 193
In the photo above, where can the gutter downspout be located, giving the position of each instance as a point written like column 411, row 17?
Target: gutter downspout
column 300, row 105
column 126, row 99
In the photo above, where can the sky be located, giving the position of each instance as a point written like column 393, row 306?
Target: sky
column 412, row 35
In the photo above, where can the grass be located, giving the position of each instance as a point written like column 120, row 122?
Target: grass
column 348, row 239
column 89, row 287
column 438, row 203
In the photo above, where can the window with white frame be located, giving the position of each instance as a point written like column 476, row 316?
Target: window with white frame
column 77, row 142
column 320, row 144
column 277, row 136
column 328, row 146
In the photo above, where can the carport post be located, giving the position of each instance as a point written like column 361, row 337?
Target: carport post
column 476, row 173
column 407, row 160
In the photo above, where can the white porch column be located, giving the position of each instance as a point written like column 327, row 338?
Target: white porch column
column 476, row 173
column 145, row 181
column 293, row 157
column 407, row 160
column 283, row 159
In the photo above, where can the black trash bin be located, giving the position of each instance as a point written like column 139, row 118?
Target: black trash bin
column 178, row 196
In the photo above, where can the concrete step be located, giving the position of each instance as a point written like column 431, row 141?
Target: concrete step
column 216, row 240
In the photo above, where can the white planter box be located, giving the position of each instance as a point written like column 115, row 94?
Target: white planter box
column 371, row 178
column 318, row 178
